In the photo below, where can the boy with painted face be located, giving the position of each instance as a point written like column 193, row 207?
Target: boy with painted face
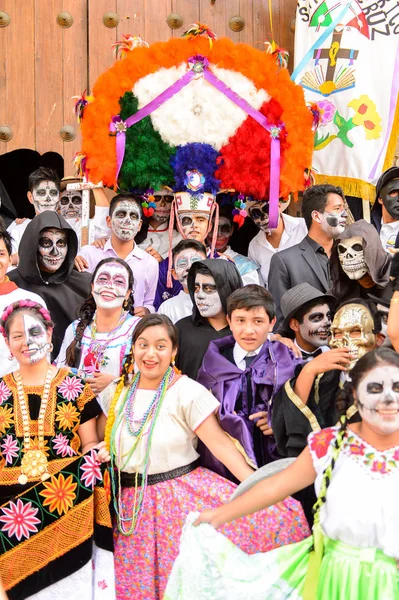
column 185, row 254
column 248, row 269
column 156, row 242
column 44, row 194
column 125, row 220
column 47, row 252
column 244, row 371
column 385, row 212
column 210, row 282
column 308, row 316
column 289, row 231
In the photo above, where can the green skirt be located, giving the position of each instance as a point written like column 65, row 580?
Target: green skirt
column 210, row 567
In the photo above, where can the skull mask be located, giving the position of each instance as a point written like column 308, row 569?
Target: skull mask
column 352, row 328
column 71, row 204
column 351, row 257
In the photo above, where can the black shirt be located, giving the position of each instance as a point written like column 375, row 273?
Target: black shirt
column 322, row 257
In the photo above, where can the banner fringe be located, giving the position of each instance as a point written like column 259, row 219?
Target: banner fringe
column 350, row 187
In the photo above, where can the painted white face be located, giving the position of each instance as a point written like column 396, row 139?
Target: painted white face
column 183, row 262
column 45, row 196
column 162, row 209
column 225, row 231
column 259, row 213
column 194, row 225
column 206, row 296
column 378, row 398
column 71, row 204
column 36, row 338
column 333, row 223
column 383, row 311
column 52, row 249
column 125, row 220
column 316, row 324
column 110, row 285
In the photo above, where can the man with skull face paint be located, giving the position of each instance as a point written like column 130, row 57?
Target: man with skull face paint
column 44, row 194
column 47, row 252
column 156, row 242
column 125, row 220
column 385, row 212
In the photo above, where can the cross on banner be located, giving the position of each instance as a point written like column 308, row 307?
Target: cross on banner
column 332, row 54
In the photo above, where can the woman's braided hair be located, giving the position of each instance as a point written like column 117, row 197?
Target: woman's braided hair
column 88, row 309
column 369, row 361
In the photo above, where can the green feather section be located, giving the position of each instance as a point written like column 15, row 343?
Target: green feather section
column 147, row 158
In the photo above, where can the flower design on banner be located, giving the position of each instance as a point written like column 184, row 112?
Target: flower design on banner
column 326, row 112
column 20, row 519
column 366, row 116
column 59, row 493
column 5, row 392
column 91, row 470
column 71, row 388
column 61, row 446
column 9, row 448
column 321, row 440
column 67, row 415
column 6, row 418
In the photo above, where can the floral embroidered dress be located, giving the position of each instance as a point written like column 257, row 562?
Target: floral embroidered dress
column 38, row 558
column 359, row 523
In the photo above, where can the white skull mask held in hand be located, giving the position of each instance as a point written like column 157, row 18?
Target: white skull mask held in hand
column 71, row 204
column 352, row 328
column 351, row 257
column 45, row 196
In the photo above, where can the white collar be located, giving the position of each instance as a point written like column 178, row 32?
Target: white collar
column 393, row 225
column 239, row 353
column 322, row 348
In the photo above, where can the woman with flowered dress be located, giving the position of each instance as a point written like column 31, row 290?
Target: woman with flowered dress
column 49, row 469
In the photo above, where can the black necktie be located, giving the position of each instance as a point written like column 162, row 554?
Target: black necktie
column 310, row 355
column 249, row 360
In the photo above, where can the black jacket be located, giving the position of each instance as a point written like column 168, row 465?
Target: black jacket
column 63, row 291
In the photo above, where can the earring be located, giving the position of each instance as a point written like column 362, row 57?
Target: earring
column 173, row 361
column 10, row 356
column 125, row 304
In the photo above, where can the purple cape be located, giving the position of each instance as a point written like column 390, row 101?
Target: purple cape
column 272, row 367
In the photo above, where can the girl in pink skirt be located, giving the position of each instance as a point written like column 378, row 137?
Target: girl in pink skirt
column 155, row 419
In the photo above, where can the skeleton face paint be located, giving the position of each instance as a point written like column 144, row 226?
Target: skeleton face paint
column 183, row 262
column 383, row 311
column 316, row 324
column 53, row 248
column 35, row 338
column 71, row 204
column 351, row 257
column 390, row 198
column 125, row 220
column 110, row 285
column 194, row 225
column 352, row 328
column 206, row 296
column 163, row 206
column 45, row 196
column 259, row 213
column 378, row 398
column 333, row 223
column 225, row 231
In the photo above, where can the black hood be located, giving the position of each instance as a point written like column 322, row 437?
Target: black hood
column 227, row 280
column 7, row 210
column 28, row 267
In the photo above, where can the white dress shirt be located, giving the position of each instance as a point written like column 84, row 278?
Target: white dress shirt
column 159, row 239
column 310, row 355
column 261, row 250
column 388, row 234
column 177, row 307
column 239, row 355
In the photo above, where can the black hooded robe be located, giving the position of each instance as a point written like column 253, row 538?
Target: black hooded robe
column 195, row 332
column 63, row 291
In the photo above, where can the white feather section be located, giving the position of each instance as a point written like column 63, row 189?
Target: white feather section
column 199, row 112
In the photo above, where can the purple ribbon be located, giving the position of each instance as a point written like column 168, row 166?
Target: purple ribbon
column 200, row 66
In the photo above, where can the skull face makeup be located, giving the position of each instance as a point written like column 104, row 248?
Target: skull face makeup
column 383, row 311
column 206, row 296
column 45, row 196
column 351, row 257
column 259, row 213
column 225, row 231
column 390, row 198
column 71, row 204
column 194, row 225
column 315, row 327
column 378, row 398
column 352, row 328
column 35, row 338
column 110, row 285
column 163, row 205
column 52, row 249
column 126, row 220
column 333, row 223
column 183, row 262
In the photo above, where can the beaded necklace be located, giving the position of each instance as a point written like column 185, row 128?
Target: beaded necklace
column 96, row 351
column 125, row 414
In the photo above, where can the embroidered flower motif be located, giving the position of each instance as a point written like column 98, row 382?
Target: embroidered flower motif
column 20, row 519
column 396, row 454
column 59, row 493
column 10, row 448
column 357, row 449
column 34, row 445
column 71, row 388
column 62, row 447
column 320, row 441
column 5, row 392
column 67, row 415
column 379, row 466
column 102, row 584
column 91, row 470
column 6, row 418
column 367, row 116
